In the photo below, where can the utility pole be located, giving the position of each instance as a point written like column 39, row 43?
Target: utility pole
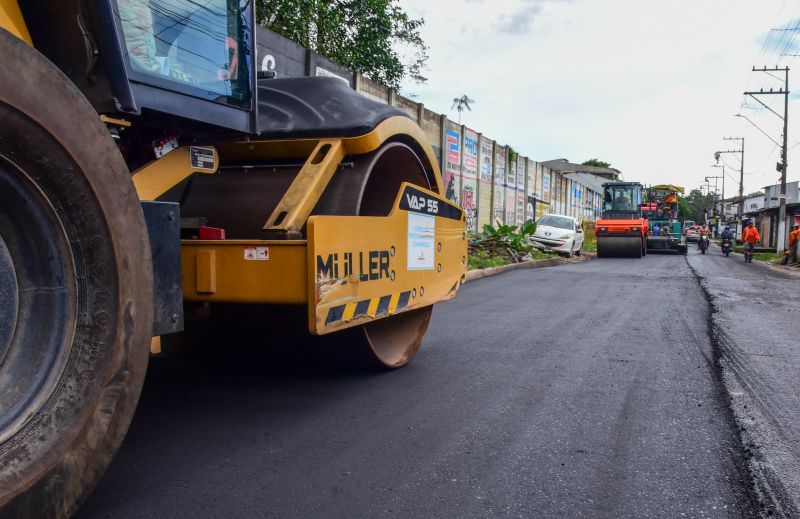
column 722, row 201
column 740, row 210
column 717, row 213
column 784, row 150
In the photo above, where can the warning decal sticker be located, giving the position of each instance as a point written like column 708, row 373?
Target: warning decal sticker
column 256, row 253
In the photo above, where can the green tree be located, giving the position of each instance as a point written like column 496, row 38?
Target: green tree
column 363, row 35
column 596, row 163
column 696, row 205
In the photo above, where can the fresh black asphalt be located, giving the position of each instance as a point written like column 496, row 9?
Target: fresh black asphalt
column 585, row 390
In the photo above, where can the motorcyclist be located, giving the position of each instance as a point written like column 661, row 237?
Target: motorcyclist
column 750, row 237
column 727, row 240
column 727, row 233
column 702, row 242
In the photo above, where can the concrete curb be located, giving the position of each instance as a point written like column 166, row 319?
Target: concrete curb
column 472, row 275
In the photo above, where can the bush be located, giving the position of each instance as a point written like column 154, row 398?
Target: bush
column 504, row 244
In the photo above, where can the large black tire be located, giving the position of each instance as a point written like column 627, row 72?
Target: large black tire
column 75, row 290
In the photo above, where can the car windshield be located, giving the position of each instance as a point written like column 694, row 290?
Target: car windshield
column 560, row 222
column 199, row 45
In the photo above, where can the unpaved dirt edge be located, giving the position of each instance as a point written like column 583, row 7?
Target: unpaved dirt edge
column 767, row 495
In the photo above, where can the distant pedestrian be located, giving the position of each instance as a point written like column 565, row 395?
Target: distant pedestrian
column 794, row 237
column 750, row 237
column 656, row 229
column 665, row 230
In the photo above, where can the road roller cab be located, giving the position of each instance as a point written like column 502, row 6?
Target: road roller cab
column 155, row 169
column 621, row 231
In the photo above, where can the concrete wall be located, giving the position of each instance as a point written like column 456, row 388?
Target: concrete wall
column 469, row 177
column 476, row 170
column 485, row 181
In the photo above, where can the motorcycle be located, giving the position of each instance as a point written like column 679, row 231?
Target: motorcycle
column 726, row 246
column 748, row 253
column 702, row 243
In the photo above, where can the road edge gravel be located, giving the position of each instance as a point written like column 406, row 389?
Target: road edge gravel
column 475, row 274
column 768, row 495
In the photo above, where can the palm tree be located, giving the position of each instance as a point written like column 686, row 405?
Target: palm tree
column 459, row 103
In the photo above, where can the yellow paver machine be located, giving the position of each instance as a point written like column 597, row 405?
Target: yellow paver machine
column 145, row 165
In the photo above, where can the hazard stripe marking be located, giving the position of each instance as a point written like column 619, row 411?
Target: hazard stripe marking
column 393, row 303
column 383, row 305
column 335, row 314
column 349, row 310
column 403, row 302
column 374, row 307
column 362, row 307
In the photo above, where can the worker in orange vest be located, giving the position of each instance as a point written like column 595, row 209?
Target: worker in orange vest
column 750, row 237
column 794, row 237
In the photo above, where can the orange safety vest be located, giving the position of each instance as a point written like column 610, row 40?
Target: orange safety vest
column 751, row 235
column 793, row 236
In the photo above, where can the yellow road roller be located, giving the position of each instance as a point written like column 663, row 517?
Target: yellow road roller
column 146, row 169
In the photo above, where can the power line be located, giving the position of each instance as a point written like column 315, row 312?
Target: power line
column 766, row 40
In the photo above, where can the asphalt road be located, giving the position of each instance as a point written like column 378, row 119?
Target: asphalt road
column 756, row 326
column 586, row 390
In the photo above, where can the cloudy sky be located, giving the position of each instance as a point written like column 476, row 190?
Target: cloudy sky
column 650, row 86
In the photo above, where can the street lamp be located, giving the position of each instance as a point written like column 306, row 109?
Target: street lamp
column 758, row 128
column 740, row 209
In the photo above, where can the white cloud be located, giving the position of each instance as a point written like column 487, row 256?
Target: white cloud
column 649, row 86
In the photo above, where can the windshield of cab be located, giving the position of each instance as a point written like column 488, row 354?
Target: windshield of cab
column 622, row 198
column 556, row 221
column 200, row 47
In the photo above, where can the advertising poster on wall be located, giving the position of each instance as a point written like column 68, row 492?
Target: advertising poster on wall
column 499, row 183
column 531, row 179
column 555, row 188
column 469, row 179
column 452, row 165
column 522, row 199
column 546, row 186
column 541, row 209
column 485, row 183
column 511, row 192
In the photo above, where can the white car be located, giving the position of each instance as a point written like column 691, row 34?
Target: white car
column 560, row 233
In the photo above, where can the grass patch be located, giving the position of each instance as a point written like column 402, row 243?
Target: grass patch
column 590, row 245
column 481, row 260
column 537, row 254
column 770, row 257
